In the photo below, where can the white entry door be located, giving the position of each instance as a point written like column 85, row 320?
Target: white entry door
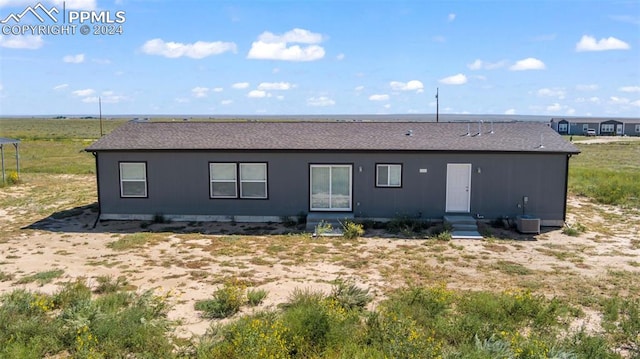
column 619, row 130
column 458, row 187
column 330, row 187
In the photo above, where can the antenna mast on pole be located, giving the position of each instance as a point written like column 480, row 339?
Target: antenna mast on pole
column 437, row 106
column 100, row 109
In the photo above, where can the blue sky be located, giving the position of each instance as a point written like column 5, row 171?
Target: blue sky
column 556, row 58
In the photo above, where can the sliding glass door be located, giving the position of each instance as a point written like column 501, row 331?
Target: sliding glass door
column 330, row 187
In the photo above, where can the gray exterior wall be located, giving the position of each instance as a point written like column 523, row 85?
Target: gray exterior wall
column 178, row 184
column 578, row 128
column 630, row 129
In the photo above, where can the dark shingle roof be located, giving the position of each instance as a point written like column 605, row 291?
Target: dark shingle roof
column 315, row 136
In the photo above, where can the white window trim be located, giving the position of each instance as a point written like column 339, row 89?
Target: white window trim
column 265, row 180
column 637, row 128
column 144, row 180
column 388, row 165
column 212, row 181
column 608, row 127
column 563, row 127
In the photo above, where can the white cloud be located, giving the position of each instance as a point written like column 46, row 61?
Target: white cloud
column 321, row 101
column 458, row 79
column 439, row 38
column 340, row 57
column 60, row 87
column 21, row 42
column 618, row 100
column 589, row 43
column 84, row 92
column 240, row 85
column 277, row 47
column 590, row 87
column 530, row 63
column 105, row 97
column 275, row 86
column 258, row 94
column 200, row 92
column 629, row 89
column 383, row 97
column 592, row 99
column 296, row 35
column 511, row 111
column 554, row 108
column 182, row 100
column 387, row 106
column 547, row 92
column 451, row 17
column 197, row 50
column 635, row 103
column 74, row 59
column 482, row 65
column 218, row 89
column 226, row 102
column 476, row 65
column 359, row 88
column 413, row 85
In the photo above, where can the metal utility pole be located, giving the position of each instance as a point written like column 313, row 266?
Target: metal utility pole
column 100, row 109
column 437, row 106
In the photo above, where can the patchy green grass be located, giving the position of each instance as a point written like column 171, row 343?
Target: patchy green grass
column 41, row 278
column 136, row 240
column 70, row 323
column 607, row 172
column 511, row 268
column 54, row 146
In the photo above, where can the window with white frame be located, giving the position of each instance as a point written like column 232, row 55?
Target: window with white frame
column 238, row 180
column 133, row 179
column 253, row 180
column 637, row 128
column 562, row 127
column 388, row 175
column 224, row 180
column 585, row 127
column 607, row 127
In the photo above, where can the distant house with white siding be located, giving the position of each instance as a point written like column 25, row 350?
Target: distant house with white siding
column 602, row 126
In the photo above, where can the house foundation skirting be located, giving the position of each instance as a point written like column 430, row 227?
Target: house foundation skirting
column 190, row 218
column 262, row 219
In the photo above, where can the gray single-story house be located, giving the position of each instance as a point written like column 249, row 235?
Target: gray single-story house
column 602, row 126
column 267, row 171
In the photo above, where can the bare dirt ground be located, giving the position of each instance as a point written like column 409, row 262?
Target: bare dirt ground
column 191, row 260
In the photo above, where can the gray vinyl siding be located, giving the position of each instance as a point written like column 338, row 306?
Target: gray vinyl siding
column 630, row 129
column 178, row 183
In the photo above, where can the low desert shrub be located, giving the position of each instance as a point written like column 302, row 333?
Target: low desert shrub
column 406, row 225
column 256, row 296
column 350, row 296
column 226, row 301
column 13, row 178
column 352, row 230
column 574, row 230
